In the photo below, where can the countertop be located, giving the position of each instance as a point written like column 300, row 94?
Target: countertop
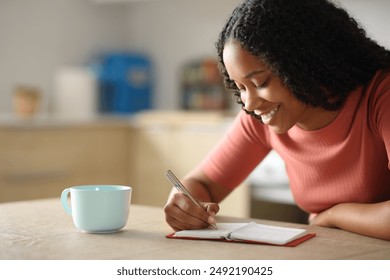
column 171, row 117
column 42, row 230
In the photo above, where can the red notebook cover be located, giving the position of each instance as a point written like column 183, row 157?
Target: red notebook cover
column 290, row 244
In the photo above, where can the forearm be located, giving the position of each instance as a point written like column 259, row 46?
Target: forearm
column 366, row 219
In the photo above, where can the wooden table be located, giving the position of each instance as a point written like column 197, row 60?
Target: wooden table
column 41, row 230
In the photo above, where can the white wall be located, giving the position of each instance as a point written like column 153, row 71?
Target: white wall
column 39, row 36
column 373, row 15
column 175, row 31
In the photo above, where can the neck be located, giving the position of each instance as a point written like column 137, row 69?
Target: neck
column 317, row 118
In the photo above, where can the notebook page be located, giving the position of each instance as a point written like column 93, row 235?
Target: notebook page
column 223, row 230
column 268, row 234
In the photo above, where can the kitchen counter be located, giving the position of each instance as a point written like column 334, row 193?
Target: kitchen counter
column 12, row 122
column 42, row 230
column 175, row 117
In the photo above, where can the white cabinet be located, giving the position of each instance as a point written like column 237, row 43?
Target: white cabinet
column 269, row 181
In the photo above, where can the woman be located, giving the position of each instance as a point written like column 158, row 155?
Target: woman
column 314, row 88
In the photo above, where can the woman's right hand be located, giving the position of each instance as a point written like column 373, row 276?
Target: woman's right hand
column 181, row 213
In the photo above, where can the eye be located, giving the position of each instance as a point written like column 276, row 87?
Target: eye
column 265, row 84
column 240, row 88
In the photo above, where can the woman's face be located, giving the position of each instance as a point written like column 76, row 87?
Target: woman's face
column 263, row 93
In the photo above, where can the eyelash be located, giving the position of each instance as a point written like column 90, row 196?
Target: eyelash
column 263, row 85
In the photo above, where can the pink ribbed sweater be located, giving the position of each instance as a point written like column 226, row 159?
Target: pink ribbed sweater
column 346, row 161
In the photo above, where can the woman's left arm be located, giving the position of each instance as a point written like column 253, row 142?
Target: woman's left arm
column 367, row 219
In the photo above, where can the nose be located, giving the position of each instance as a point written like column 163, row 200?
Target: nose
column 251, row 100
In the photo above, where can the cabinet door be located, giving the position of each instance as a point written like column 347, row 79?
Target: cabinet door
column 32, row 165
column 102, row 154
column 196, row 141
column 41, row 162
column 155, row 152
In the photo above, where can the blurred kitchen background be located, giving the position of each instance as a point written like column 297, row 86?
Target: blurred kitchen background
column 118, row 91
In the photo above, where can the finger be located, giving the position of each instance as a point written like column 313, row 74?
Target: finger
column 191, row 214
column 178, row 225
column 212, row 208
column 181, row 213
column 179, row 219
column 181, row 222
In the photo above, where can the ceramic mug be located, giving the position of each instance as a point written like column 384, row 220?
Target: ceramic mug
column 98, row 208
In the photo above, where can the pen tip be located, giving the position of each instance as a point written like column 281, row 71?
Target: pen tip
column 213, row 226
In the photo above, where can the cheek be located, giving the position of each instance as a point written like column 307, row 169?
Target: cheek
column 280, row 94
column 294, row 110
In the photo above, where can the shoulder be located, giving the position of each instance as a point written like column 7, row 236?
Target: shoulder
column 376, row 99
column 379, row 86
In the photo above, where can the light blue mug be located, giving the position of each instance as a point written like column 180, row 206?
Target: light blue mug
column 98, row 208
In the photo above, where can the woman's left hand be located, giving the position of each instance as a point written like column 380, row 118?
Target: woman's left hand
column 370, row 219
column 320, row 219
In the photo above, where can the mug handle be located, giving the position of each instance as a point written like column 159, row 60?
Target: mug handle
column 64, row 201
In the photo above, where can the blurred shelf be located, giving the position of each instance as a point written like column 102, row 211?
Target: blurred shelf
column 202, row 87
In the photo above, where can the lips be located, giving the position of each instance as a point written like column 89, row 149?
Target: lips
column 266, row 117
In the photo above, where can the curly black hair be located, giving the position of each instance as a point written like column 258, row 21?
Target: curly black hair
column 314, row 47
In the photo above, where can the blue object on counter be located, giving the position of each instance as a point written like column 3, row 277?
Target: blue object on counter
column 125, row 83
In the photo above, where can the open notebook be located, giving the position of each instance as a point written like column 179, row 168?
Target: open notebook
column 248, row 233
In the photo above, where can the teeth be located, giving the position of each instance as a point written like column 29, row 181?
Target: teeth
column 267, row 117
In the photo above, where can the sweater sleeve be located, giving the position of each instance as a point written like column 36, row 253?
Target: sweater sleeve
column 380, row 110
column 240, row 150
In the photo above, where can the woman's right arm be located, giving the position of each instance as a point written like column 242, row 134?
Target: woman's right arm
column 229, row 163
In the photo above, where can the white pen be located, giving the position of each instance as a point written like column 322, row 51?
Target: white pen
column 181, row 188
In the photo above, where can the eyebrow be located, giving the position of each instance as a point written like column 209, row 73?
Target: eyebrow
column 250, row 74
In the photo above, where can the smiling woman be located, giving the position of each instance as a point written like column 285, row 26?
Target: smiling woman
column 314, row 88
column 263, row 94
